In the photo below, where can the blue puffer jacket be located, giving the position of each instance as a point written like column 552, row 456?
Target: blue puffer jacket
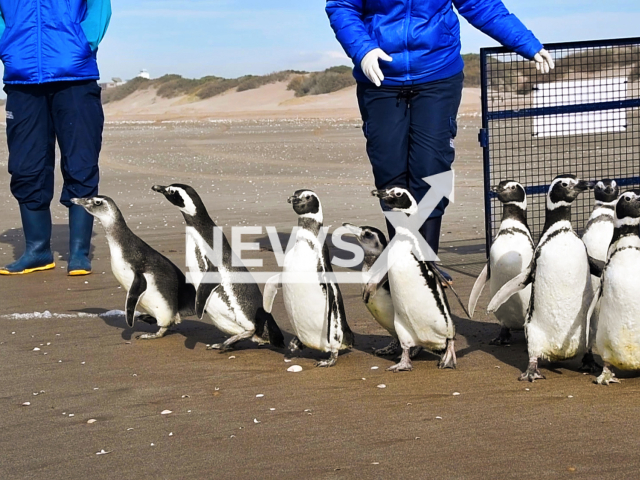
column 422, row 36
column 51, row 40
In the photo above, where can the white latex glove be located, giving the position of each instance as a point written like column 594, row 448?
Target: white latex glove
column 544, row 61
column 371, row 67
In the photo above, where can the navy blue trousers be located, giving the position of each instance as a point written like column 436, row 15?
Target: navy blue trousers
column 37, row 115
column 410, row 132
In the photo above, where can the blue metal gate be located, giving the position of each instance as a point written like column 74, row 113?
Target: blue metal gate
column 582, row 118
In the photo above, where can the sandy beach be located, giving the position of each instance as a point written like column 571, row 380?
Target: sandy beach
column 245, row 153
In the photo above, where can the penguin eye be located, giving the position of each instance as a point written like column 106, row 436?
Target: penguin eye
column 513, row 187
column 97, row 201
column 565, row 184
column 368, row 235
column 628, row 199
column 398, row 194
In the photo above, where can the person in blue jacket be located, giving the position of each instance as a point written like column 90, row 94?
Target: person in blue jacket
column 409, row 72
column 50, row 74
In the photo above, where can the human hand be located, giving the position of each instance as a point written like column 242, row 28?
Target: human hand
column 544, row 61
column 371, row 67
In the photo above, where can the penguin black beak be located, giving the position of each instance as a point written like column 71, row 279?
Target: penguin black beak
column 293, row 200
column 379, row 193
column 584, row 185
column 357, row 231
column 159, row 189
column 494, row 189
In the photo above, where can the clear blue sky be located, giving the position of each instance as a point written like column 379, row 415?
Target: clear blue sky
column 235, row 37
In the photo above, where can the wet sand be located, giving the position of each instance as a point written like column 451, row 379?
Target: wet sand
column 326, row 423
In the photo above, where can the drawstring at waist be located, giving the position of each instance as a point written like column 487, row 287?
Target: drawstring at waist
column 407, row 96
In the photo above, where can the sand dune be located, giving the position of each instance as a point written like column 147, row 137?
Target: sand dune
column 269, row 101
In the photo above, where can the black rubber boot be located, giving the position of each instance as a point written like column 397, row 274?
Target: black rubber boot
column 430, row 230
column 80, row 229
column 37, row 256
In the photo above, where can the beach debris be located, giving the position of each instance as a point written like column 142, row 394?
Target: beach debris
column 153, row 445
column 72, row 415
column 287, row 360
column 272, row 409
column 171, row 434
column 260, row 395
column 26, row 404
column 103, row 452
column 36, row 349
column 374, row 368
column 294, row 368
column 130, row 428
column 382, row 385
column 186, row 396
column 92, row 420
column 255, row 420
column 570, row 396
column 455, row 394
column 165, row 412
column 232, row 357
column 438, row 418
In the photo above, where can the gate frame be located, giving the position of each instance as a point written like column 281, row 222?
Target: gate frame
column 485, row 131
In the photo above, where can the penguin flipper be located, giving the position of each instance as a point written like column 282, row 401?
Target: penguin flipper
column 137, row 289
column 270, row 292
column 595, row 266
column 205, row 289
column 509, row 289
column 481, row 281
column 443, row 281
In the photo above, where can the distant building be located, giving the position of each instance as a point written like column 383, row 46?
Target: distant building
column 115, row 82
column 144, row 74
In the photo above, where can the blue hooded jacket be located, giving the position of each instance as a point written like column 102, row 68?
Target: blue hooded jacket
column 422, row 36
column 51, row 40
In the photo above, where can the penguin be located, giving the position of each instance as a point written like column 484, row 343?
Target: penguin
column 232, row 301
column 511, row 252
column 597, row 237
column 618, row 335
column 378, row 298
column 153, row 283
column 422, row 315
column 312, row 297
column 559, row 274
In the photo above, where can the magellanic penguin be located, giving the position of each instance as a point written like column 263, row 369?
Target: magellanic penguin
column 618, row 335
column 377, row 297
column 235, row 307
column 312, row 297
column 556, row 324
column 422, row 315
column 597, row 237
column 511, row 253
column 153, row 283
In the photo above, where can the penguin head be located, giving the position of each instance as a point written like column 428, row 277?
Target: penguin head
column 606, row 191
column 628, row 208
column 100, row 206
column 182, row 196
column 372, row 240
column 511, row 192
column 565, row 189
column 306, row 204
column 398, row 199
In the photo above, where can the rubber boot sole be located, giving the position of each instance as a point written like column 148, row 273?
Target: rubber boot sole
column 28, row 270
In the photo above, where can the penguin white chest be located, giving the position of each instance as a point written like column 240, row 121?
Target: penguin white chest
column 618, row 335
column 304, row 297
column 421, row 316
column 562, row 295
column 598, row 238
column 380, row 306
column 120, row 268
column 510, row 255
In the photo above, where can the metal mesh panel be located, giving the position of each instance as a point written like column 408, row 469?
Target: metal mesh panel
column 582, row 118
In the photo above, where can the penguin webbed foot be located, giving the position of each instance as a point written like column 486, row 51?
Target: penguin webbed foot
column 404, row 365
column 330, row 362
column 504, row 338
column 228, row 344
column 152, row 336
column 390, row 349
column 590, row 365
column 607, row 376
column 532, row 373
column 449, row 359
column 295, row 346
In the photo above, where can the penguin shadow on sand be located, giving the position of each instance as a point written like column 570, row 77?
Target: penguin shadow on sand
column 195, row 332
column 14, row 238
